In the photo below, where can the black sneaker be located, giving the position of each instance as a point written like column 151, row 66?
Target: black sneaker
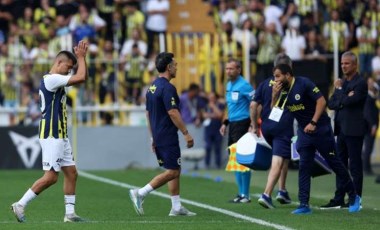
column 236, row 199
column 333, row 204
column 345, row 205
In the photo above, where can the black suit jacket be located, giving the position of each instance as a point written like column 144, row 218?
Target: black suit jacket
column 349, row 110
column 371, row 112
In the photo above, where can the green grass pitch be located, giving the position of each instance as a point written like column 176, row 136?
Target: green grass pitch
column 104, row 202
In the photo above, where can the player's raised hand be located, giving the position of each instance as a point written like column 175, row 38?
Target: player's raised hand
column 81, row 49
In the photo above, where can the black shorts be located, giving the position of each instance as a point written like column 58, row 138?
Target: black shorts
column 237, row 130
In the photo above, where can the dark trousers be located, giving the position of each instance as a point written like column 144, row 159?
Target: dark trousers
column 213, row 142
column 323, row 141
column 349, row 149
column 152, row 35
column 369, row 142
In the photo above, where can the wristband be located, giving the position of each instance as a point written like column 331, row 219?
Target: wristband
column 185, row 132
column 313, row 123
column 226, row 122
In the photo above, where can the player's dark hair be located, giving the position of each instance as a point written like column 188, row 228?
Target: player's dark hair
column 69, row 55
column 282, row 58
column 284, row 69
column 163, row 60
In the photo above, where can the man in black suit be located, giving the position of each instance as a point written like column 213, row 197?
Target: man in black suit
column 371, row 116
column 348, row 102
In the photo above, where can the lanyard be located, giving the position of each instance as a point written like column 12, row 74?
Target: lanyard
column 286, row 99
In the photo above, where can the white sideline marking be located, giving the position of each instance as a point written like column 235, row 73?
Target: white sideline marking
column 194, row 203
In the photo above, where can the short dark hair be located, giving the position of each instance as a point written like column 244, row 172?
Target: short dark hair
column 282, row 58
column 163, row 59
column 237, row 62
column 284, row 68
column 193, row 86
column 69, row 55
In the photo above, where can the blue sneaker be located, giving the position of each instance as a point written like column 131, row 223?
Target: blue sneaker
column 266, row 201
column 303, row 209
column 283, row 197
column 355, row 205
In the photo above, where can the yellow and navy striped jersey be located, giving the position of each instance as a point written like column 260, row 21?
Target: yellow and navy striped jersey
column 53, row 106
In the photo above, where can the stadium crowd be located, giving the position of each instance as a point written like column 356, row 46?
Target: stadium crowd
column 123, row 42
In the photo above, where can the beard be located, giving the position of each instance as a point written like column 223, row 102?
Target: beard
column 285, row 84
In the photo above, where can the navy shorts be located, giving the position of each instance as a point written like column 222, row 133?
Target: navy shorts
column 169, row 157
column 281, row 145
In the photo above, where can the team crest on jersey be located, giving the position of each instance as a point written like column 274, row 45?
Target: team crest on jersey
column 152, row 89
column 297, row 97
column 315, row 90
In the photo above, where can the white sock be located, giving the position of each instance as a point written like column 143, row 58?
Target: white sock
column 145, row 190
column 28, row 196
column 70, row 204
column 176, row 202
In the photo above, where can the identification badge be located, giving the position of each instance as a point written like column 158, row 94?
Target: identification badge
column 235, row 96
column 275, row 114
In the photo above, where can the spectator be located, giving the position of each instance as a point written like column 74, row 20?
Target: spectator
column 273, row 14
column 44, row 10
column 62, row 39
column 376, row 65
column 314, row 50
column 33, row 111
column 9, row 88
column 135, row 20
column 156, row 23
column 269, row 46
column 7, row 13
column 108, row 73
column 67, row 8
column 85, row 23
column 366, row 36
column 256, row 9
column 212, row 116
column 308, row 23
column 190, row 105
column 294, row 43
column 341, row 28
column 25, row 26
column 231, row 48
column 246, row 34
column 371, row 116
column 134, row 71
column 106, row 9
column 134, row 39
column 348, row 101
column 228, row 14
